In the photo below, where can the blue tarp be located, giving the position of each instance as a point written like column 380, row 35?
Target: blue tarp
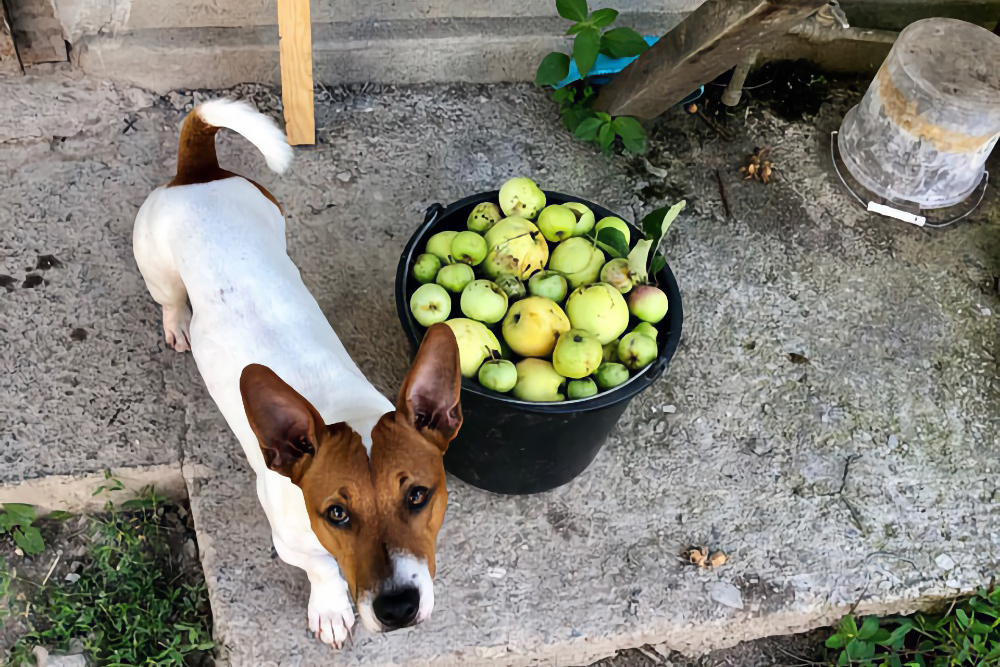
column 605, row 67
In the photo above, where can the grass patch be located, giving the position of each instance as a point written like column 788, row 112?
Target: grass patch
column 966, row 633
column 126, row 596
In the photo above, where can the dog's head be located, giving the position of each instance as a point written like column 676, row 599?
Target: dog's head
column 378, row 515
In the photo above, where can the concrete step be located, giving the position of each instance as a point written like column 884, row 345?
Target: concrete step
column 92, row 18
column 404, row 51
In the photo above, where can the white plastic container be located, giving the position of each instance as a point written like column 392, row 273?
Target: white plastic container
column 923, row 131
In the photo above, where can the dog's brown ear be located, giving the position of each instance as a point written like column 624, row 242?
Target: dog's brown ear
column 429, row 397
column 286, row 425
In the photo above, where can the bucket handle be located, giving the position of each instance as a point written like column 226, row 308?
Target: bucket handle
column 432, row 213
column 656, row 369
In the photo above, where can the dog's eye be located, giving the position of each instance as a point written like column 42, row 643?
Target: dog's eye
column 337, row 515
column 417, row 497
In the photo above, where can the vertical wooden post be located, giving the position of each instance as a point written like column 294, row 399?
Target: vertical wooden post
column 295, row 34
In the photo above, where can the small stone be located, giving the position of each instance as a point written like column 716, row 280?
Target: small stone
column 72, row 577
column 893, row 441
column 496, row 572
column 670, row 409
column 726, row 594
column 344, row 176
column 945, row 562
column 986, row 311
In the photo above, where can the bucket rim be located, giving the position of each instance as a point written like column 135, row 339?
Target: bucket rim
column 436, row 213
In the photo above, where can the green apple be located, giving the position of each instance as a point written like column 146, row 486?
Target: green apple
column 498, row 375
column 476, row 344
column 426, row 268
column 439, row 245
column 615, row 223
column 599, row 309
column 637, row 350
column 533, row 325
column 538, row 381
column 548, row 284
column 584, row 217
column 616, row 274
column 521, row 196
column 610, row 352
column 584, row 388
column 516, row 247
column 483, row 217
column 610, row 375
column 578, row 260
column 648, row 303
column 556, row 222
column 430, row 304
column 484, row 301
column 647, row 329
column 455, row 277
column 513, row 286
column 468, row 248
column 577, row 354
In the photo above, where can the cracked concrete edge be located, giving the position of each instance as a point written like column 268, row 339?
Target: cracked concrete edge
column 191, row 473
column 691, row 641
column 79, row 493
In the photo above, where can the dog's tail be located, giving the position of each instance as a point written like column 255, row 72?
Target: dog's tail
column 197, row 158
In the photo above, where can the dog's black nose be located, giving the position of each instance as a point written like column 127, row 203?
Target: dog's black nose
column 397, row 609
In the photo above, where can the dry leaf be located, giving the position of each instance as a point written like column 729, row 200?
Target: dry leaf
column 717, row 559
column 700, row 556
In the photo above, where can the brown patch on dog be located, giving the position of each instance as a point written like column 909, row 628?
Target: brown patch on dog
column 197, row 161
column 337, row 479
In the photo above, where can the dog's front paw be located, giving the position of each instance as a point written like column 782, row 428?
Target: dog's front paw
column 177, row 327
column 330, row 615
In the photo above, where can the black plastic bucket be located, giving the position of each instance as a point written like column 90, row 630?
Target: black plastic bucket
column 511, row 446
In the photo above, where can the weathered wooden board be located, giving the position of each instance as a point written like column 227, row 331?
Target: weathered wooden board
column 37, row 32
column 10, row 64
column 295, row 30
column 711, row 40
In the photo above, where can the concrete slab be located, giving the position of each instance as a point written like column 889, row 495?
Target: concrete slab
column 830, row 420
column 82, row 390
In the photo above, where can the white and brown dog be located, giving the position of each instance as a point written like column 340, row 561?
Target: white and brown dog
column 354, row 490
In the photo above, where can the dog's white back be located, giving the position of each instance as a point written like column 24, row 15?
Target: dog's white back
column 251, row 306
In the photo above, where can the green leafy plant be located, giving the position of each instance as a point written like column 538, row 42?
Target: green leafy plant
column 654, row 226
column 592, row 37
column 132, row 603
column 17, row 519
column 5, row 580
column 967, row 633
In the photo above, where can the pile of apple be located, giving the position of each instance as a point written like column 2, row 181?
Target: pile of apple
column 563, row 309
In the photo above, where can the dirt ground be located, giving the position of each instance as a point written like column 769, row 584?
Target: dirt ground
column 72, row 544
column 785, row 651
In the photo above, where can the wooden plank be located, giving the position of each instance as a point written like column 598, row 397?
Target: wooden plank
column 37, row 32
column 295, row 30
column 711, row 40
column 10, row 64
